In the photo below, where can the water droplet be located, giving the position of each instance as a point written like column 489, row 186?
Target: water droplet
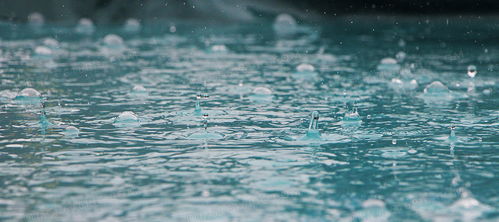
column 173, row 29
column 394, row 141
column 472, row 71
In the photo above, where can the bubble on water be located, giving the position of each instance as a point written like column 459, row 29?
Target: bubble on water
column 261, row 94
column 29, row 92
column 113, row 41
column 401, row 85
column 304, row 67
column 394, row 141
column 472, row 71
column 131, row 25
column 7, row 94
column 173, row 29
column 126, row 118
column 412, row 151
column 285, row 24
column 71, row 131
column 400, row 56
column 43, row 52
column 487, row 92
column 85, row 26
column 372, row 210
column 36, row 19
column 305, row 71
column 139, row 88
column 219, row 48
column 29, row 96
column 436, row 87
column 388, row 66
column 51, row 43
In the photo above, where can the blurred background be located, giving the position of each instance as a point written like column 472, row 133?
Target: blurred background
column 232, row 11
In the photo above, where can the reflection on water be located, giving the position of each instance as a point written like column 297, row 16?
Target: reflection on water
column 112, row 130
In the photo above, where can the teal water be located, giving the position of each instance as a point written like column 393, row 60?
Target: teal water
column 116, row 134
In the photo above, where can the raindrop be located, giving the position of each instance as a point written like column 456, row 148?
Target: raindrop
column 472, row 71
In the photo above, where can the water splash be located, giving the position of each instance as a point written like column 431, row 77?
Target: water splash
column 472, row 71
column 205, row 134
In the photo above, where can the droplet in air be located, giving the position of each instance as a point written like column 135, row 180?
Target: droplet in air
column 285, row 24
column 36, row 19
column 131, row 25
column 472, row 71
column 85, row 26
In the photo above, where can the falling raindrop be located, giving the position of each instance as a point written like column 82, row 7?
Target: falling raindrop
column 472, row 71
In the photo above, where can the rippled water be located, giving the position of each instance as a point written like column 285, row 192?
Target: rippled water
column 245, row 154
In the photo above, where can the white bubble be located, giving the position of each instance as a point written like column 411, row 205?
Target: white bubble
column 71, row 131
column 139, row 88
column 436, row 87
column 43, row 51
column 401, row 56
column 51, row 43
column 285, row 24
column 127, row 116
column 36, row 19
column 304, row 67
column 262, row 91
column 173, row 29
column 29, row 92
column 85, row 26
column 113, row 40
column 387, row 61
column 131, row 25
column 219, row 48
